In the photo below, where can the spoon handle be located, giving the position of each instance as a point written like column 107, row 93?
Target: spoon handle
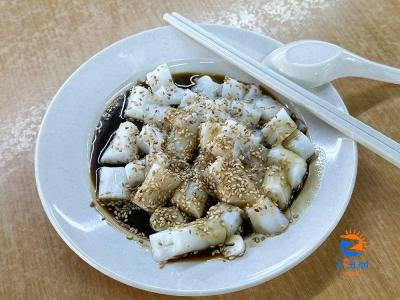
column 356, row 66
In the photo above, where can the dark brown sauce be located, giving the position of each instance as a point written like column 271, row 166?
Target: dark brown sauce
column 200, row 255
column 138, row 220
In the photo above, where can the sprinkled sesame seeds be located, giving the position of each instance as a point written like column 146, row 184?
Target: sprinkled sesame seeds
column 167, row 217
column 237, row 181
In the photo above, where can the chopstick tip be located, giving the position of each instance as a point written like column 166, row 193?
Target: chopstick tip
column 166, row 15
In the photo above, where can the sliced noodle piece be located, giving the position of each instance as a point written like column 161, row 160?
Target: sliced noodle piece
column 230, row 182
column 230, row 215
column 150, row 139
column 190, row 198
column 208, row 132
column 245, row 112
column 155, row 115
column 122, row 148
column 189, row 98
column 136, row 172
column 267, row 106
column 160, row 76
column 266, row 218
column 233, row 89
column 139, row 97
column 207, row 109
column 198, row 235
column 234, row 247
column 256, row 162
column 164, row 89
column 276, row 186
column 233, row 140
column 294, row 165
column 158, row 186
column 152, row 158
column 182, row 138
column 201, row 164
column 166, row 217
column 205, row 86
column 300, row 144
column 253, row 92
column 113, row 184
column 169, row 95
column 278, row 128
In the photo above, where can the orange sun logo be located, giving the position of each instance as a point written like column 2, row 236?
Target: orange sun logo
column 353, row 243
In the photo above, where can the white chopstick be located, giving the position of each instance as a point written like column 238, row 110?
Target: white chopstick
column 350, row 126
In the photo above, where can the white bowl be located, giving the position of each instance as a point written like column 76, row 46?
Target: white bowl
column 62, row 164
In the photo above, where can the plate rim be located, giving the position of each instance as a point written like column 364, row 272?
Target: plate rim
column 64, row 236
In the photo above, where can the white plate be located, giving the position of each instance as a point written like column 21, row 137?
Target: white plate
column 62, row 162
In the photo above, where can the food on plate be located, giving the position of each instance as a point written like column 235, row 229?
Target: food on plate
column 199, row 162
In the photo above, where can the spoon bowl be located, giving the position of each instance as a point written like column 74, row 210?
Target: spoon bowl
column 310, row 53
column 312, row 63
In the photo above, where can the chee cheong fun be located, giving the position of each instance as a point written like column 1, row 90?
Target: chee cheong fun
column 201, row 161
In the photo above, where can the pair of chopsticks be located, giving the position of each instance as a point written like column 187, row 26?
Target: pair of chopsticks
column 348, row 125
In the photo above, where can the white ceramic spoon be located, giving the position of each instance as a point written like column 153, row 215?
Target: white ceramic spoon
column 313, row 63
